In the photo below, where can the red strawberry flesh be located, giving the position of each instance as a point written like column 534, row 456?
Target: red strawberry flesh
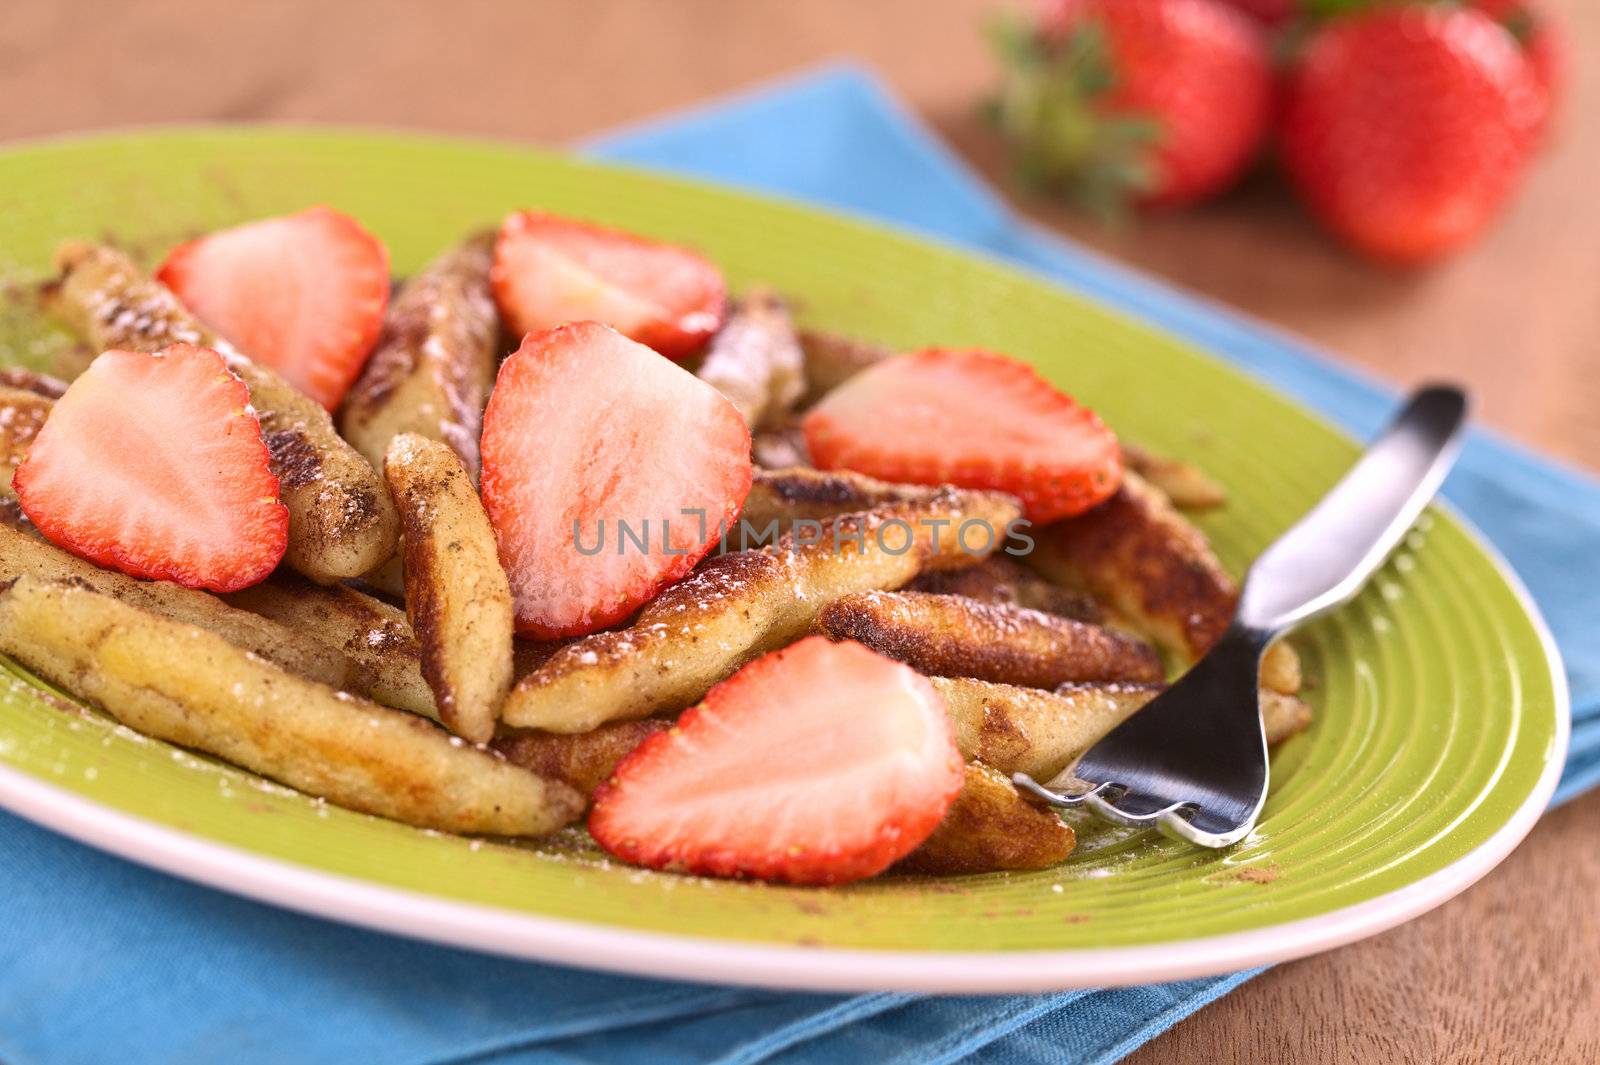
column 550, row 270
column 303, row 293
column 153, row 464
column 969, row 418
column 822, row 763
column 587, row 431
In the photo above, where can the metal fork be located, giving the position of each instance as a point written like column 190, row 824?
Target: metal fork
column 1193, row 763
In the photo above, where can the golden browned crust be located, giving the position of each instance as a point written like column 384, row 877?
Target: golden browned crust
column 375, row 637
column 434, row 363
column 341, row 522
column 582, row 761
column 740, row 605
column 832, row 359
column 951, row 636
column 780, row 498
column 103, row 298
column 189, row 686
column 991, row 827
column 457, row 594
column 22, row 415
column 755, row 359
column 22, row 555
column 1187, row 485
column 999, row 579
column 1026, row 730
column 1138, row 555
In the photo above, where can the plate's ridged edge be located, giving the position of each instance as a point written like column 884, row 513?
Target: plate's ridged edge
column 549, row 939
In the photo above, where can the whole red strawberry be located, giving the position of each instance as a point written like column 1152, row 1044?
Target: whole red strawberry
column 1405, row 128
column 1161, row 102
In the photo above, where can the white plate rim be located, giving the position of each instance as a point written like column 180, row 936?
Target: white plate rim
column 532, row 937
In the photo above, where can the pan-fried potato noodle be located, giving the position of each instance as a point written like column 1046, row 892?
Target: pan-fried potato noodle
column 755, row 359
column 1187, row 485
column 581, row 760
column 949, row 636
column 287, row 645
column 188, row 686
column 22, row 415
column 781, row 497
column 457, row 596
column 432, row 368
column 1002, row 580
column 1149, row 565
column 1026, row 730
column 374, row 637
column 991, row 827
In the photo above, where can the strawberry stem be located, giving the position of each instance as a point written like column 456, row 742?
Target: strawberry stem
column 1047, row 108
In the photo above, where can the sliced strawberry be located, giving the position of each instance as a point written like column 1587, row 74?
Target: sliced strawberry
column 594, row 445
column 969, row 418
column 304, row 293
column 818, row 764
column 550, row 270
column 154, row 465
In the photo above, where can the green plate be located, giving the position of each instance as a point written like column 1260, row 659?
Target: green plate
column 1440, row 713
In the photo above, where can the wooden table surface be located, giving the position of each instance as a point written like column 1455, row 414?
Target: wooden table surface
column 1506, row 972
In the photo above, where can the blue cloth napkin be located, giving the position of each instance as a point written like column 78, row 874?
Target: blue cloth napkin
column 101, row 960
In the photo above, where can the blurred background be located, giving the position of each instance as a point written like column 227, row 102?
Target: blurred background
column 1516, row 313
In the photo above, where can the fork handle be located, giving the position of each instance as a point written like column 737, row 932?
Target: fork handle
column 1329, row 554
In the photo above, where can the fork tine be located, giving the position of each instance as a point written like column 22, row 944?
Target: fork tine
column 1176, row 820
column 1180, row 824
column 1138, row 808
column 1066, row 799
